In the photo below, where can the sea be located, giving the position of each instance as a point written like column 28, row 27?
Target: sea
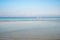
column 12, row 28
column 29, row 18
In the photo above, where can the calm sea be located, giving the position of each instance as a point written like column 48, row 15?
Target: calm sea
column 29, row 18
column 30, row 30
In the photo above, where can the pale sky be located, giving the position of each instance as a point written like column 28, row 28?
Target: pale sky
column 29, row 8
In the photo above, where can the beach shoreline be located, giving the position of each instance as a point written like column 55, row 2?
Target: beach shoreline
column 29, row 30
column 25, row 20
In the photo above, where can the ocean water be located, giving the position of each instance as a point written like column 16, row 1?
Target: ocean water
column 29, row 18
column 30, row 30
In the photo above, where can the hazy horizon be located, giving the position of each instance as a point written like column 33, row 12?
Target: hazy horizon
column 29, row 8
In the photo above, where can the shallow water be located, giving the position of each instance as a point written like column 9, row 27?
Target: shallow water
column 29, row 18
column 30, row 30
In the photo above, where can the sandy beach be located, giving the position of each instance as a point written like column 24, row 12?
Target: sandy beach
column 29, row 30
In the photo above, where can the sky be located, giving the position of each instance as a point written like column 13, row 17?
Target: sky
column 29, row 8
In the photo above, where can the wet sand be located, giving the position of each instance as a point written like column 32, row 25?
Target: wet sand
column 29, row 30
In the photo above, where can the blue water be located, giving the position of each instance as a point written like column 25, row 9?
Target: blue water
column 29, row 30
column 28, row 18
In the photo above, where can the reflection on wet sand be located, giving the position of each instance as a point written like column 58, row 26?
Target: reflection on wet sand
column 30, row 30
